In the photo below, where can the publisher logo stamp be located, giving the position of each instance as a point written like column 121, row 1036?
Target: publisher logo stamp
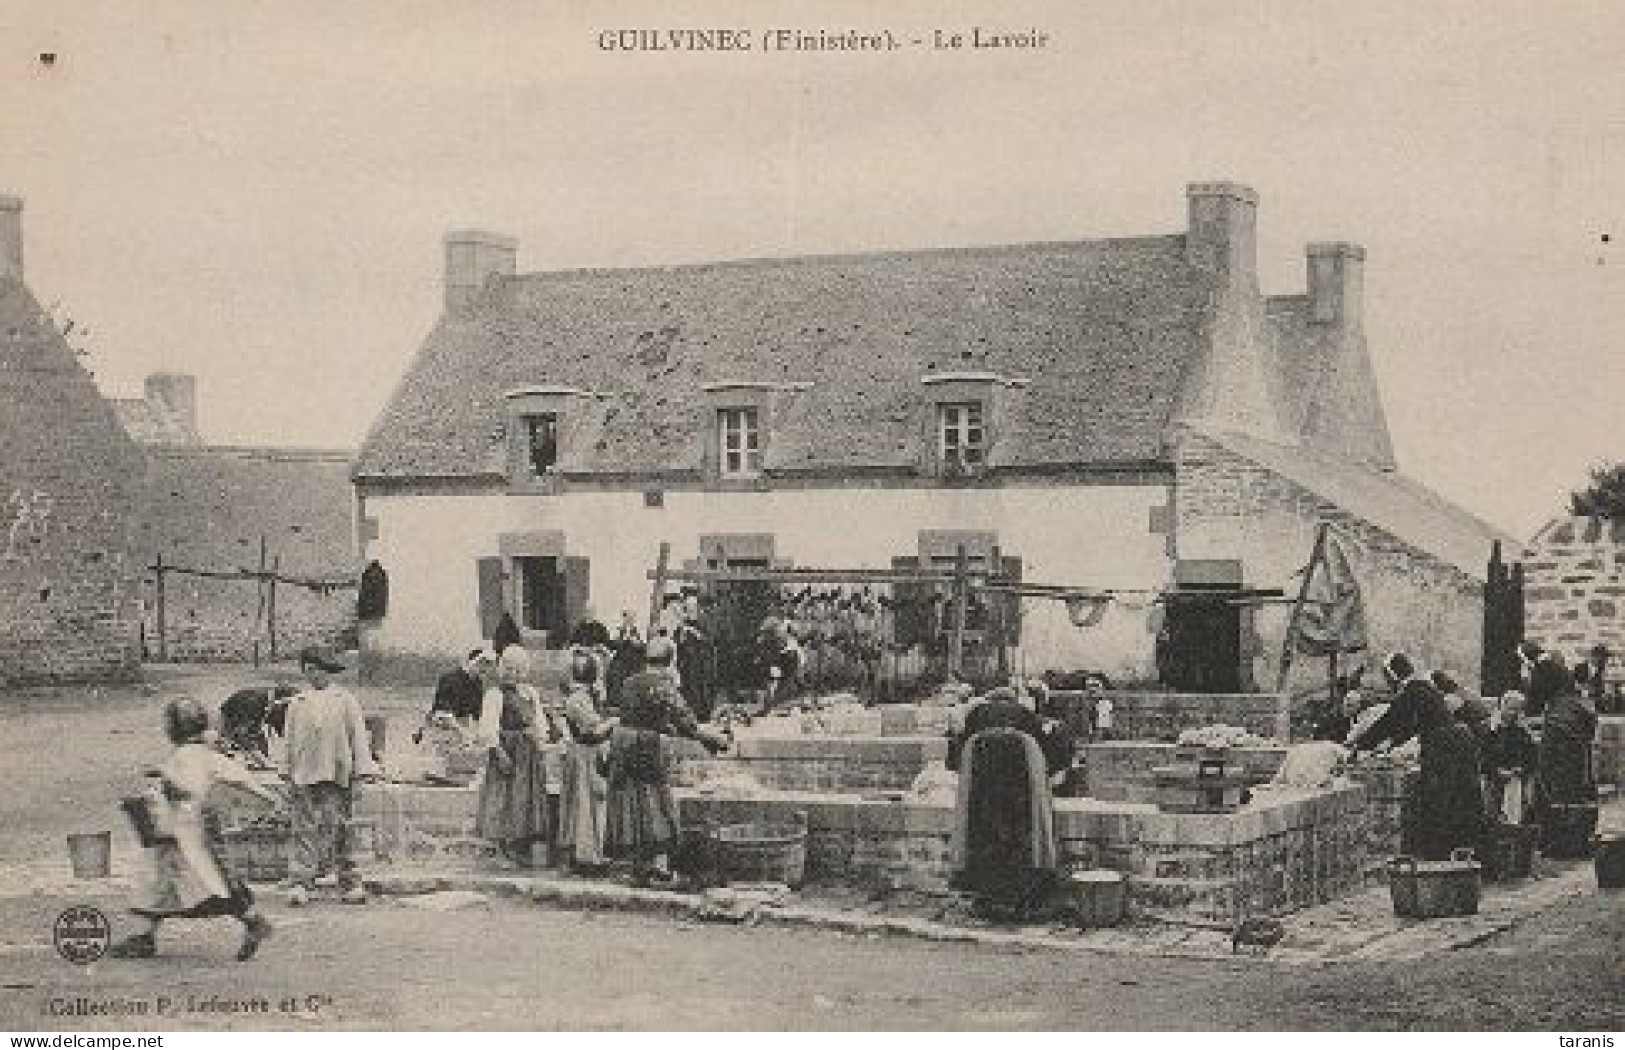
column 82, row 934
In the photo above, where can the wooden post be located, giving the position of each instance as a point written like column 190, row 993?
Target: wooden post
column 1297, row 606
column 163, row 644
column 270, row 606
column 1000, row 635
column 259, row 608
column 956, row 645
column 658, row 590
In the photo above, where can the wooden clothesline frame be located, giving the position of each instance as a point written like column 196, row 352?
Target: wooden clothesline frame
column 963, row 579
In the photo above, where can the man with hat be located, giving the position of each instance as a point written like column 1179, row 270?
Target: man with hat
column 325, row 751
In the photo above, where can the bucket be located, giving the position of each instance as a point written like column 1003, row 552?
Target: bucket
column 91, row 854
column 1609, row 861
column 377, row 727
column 1434, row 889
column 1097, row 897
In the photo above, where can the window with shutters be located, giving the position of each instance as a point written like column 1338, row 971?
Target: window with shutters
column 739, row 442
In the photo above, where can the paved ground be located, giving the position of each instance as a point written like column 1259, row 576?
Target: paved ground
column 516, row 962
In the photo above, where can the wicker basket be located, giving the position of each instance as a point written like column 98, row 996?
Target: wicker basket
column 258, row 852
column 764, row 852
column 1435, row 889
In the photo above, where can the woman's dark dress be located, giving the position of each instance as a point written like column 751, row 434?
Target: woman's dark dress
column 1449, row 812
column 1005, row 819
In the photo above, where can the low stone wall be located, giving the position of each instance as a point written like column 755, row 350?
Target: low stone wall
column 1284, row 852
column 823, row 763
column 1121, row 771
column 1163, row 716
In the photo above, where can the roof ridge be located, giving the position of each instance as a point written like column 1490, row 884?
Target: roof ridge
column 881, row 255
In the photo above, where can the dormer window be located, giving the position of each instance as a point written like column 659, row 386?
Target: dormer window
column 968, row 418
column 546, row 427
column 541, row 437
column 739, row 442
column 962, row 436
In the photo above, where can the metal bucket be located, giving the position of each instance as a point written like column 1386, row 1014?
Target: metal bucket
column 91, row 854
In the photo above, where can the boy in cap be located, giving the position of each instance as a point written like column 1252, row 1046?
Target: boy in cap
column 325, row 750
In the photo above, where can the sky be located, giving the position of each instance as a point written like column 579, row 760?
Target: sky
column 256, row 192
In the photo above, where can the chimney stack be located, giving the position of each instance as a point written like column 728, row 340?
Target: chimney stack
column 11, row 238
column 1222, row 235
column 472, row 258
column 176, row 393
column 1336, row 282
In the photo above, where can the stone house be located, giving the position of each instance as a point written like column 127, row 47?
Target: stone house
column 1574, row 588
column 1132, row 414
column 70, row 477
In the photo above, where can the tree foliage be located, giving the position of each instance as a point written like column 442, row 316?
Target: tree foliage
column 1604, row 497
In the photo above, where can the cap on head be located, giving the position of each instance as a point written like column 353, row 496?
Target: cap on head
column 185, row 720
column 1398, row 666
column 659, row 651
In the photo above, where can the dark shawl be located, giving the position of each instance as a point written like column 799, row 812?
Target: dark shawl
column 1564, row 759
column 1448, row 811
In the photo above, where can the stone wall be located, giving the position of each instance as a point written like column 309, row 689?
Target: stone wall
column 208, row 508
column 1574, row 589
column 1228, row 507
column 1284, row 852
column 1121, row 771
column 824, row 763
column 1163, row 716
column 68, row 474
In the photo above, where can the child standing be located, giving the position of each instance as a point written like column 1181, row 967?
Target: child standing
column 187, row 877
column 1512, row 758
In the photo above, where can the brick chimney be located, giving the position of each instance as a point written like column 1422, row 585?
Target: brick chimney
column 1336, row 283
column 1222, row 235
column 11, row 238
column 176, row 393
column 472, row 258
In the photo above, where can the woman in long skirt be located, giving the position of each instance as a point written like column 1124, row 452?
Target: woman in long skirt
column 1449, row 811
column 187, row 877
column 582, row 793
column 513, row 797
column 1564, row 774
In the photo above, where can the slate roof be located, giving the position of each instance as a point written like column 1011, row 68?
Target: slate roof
column 1392, row 502
column 1103, row 330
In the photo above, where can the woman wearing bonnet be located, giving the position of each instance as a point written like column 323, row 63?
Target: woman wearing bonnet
column 513, row 808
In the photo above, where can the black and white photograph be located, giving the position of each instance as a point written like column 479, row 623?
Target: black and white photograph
column 1099, row 516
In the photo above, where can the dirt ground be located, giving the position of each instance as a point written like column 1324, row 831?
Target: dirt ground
column 507, row 964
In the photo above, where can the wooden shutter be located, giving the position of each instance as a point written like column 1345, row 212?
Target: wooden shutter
column 577, row 589
column 492, row 603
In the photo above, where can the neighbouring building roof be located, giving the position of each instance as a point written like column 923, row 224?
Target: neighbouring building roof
column 150, row 423
column 1104, row 332
column 1576, row 530
column 1404, row 508
column 207, row 507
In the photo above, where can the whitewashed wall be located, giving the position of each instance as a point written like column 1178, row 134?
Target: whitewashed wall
column 1098, row 536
